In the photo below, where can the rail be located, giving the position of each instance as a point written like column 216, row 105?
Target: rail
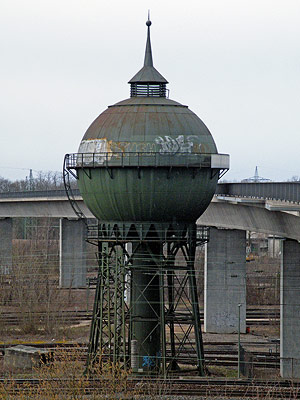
column 150, row 387
column 94, row 233
column 146, row 159
column 283, row 191
column 29, row 194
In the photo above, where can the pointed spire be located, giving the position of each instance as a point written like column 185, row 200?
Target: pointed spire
column 148, row 61
column 148, row 74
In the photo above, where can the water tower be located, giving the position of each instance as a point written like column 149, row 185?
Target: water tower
column 147, row 168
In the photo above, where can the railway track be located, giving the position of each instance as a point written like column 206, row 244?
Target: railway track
column 210, row 388
column 230, row 387
column 224, row 354
column 253, row 317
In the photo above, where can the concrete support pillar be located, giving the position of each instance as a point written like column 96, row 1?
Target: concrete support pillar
column 5, row 245
column 225, row 281
column 274, row 246
column 72, row 260
column 290, row 309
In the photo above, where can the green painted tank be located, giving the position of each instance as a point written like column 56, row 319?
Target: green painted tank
column 147, row 158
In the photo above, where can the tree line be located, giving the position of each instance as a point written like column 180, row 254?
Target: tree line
column 39, row 181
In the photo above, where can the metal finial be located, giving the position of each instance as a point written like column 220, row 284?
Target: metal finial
column 148, row 54
column 148, row 73
column 148, row 23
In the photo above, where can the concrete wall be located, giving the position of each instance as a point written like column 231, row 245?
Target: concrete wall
column 225, row 281
column 5, row 245
column 290, row 309
column 72, row 261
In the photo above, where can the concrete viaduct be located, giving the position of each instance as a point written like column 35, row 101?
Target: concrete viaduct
column 236, row 208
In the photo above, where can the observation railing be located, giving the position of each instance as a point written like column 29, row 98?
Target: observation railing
column 146, row 159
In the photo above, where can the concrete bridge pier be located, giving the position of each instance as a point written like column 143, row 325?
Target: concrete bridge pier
column 290, row 309
column 5, row 245
column 225, row 281
column 72, row 259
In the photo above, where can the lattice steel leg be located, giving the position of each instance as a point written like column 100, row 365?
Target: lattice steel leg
column 162, row 323
column 194, row 296
column 173, row 366
column 96, row 332
column 107, row 335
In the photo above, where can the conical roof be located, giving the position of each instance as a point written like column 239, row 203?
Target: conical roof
column 148, row 74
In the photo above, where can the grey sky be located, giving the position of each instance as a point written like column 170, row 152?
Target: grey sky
column 235, row 63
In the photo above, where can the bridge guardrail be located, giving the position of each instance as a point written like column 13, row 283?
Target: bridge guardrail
column 284, row 191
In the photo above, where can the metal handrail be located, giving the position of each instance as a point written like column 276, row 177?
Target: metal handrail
column 137, row 159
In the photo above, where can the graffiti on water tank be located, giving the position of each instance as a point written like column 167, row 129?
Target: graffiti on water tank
column 93, row 146
column 131, row 147
column 180, row 144
column 100, row 150
column 90, row 147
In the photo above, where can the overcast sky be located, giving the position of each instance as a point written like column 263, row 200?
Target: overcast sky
column 235, row 63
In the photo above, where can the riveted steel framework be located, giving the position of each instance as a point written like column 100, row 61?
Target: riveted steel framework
column 108, row 323
column 166, row 294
